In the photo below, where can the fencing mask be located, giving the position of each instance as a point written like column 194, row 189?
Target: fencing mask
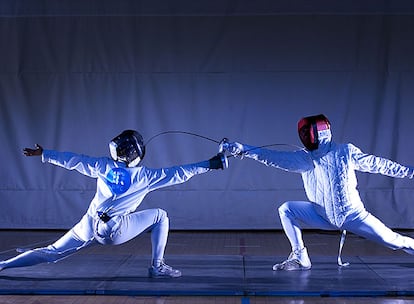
column 128, row 147
column 312, row 129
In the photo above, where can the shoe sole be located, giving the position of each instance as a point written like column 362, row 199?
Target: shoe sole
column 154, row 276
column 293, row 269
column 163, row 276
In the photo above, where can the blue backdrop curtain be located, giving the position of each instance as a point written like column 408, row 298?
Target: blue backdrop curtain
column 73, row 74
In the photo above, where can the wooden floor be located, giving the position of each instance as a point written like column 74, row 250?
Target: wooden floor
column 211, row 243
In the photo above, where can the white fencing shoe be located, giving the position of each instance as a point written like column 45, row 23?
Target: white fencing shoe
column 297, row 260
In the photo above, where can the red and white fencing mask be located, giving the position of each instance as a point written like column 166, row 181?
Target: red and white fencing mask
column 311, row 129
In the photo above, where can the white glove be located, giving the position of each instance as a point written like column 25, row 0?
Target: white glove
column 234, row 148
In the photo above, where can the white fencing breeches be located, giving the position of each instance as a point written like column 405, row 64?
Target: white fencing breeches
column 294, row 214
column 118, row 230
column 121, row 229
column 62, row 248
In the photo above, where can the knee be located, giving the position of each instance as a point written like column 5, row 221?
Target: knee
column 284, row 209
column 45, row 255
column 161, row 216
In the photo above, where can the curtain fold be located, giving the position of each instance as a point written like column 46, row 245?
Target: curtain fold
column 72, row 82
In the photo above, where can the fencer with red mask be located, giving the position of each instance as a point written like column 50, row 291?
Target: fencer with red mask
column 328, row 174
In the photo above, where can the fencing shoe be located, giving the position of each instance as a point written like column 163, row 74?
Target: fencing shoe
column 163, row 270
column 297, row 260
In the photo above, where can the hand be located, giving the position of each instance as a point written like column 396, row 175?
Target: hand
column 218, row 162
column 33, row 152
column 234, row 148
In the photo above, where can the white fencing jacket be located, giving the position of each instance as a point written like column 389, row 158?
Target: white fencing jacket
column 120, row 190
column 328, row 174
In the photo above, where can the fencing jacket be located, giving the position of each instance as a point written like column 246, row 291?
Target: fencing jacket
column 120, row 190
column 328, row 174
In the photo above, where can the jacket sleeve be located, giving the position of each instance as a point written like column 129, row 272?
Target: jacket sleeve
column 86, row 165
column 374, row 164
column 292, row 161
column 164, row 177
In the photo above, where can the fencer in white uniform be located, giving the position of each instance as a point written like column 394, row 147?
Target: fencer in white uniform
column 112, row 217
column 328, row 174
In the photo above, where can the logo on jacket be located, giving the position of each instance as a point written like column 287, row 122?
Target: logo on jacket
column 119, row 180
